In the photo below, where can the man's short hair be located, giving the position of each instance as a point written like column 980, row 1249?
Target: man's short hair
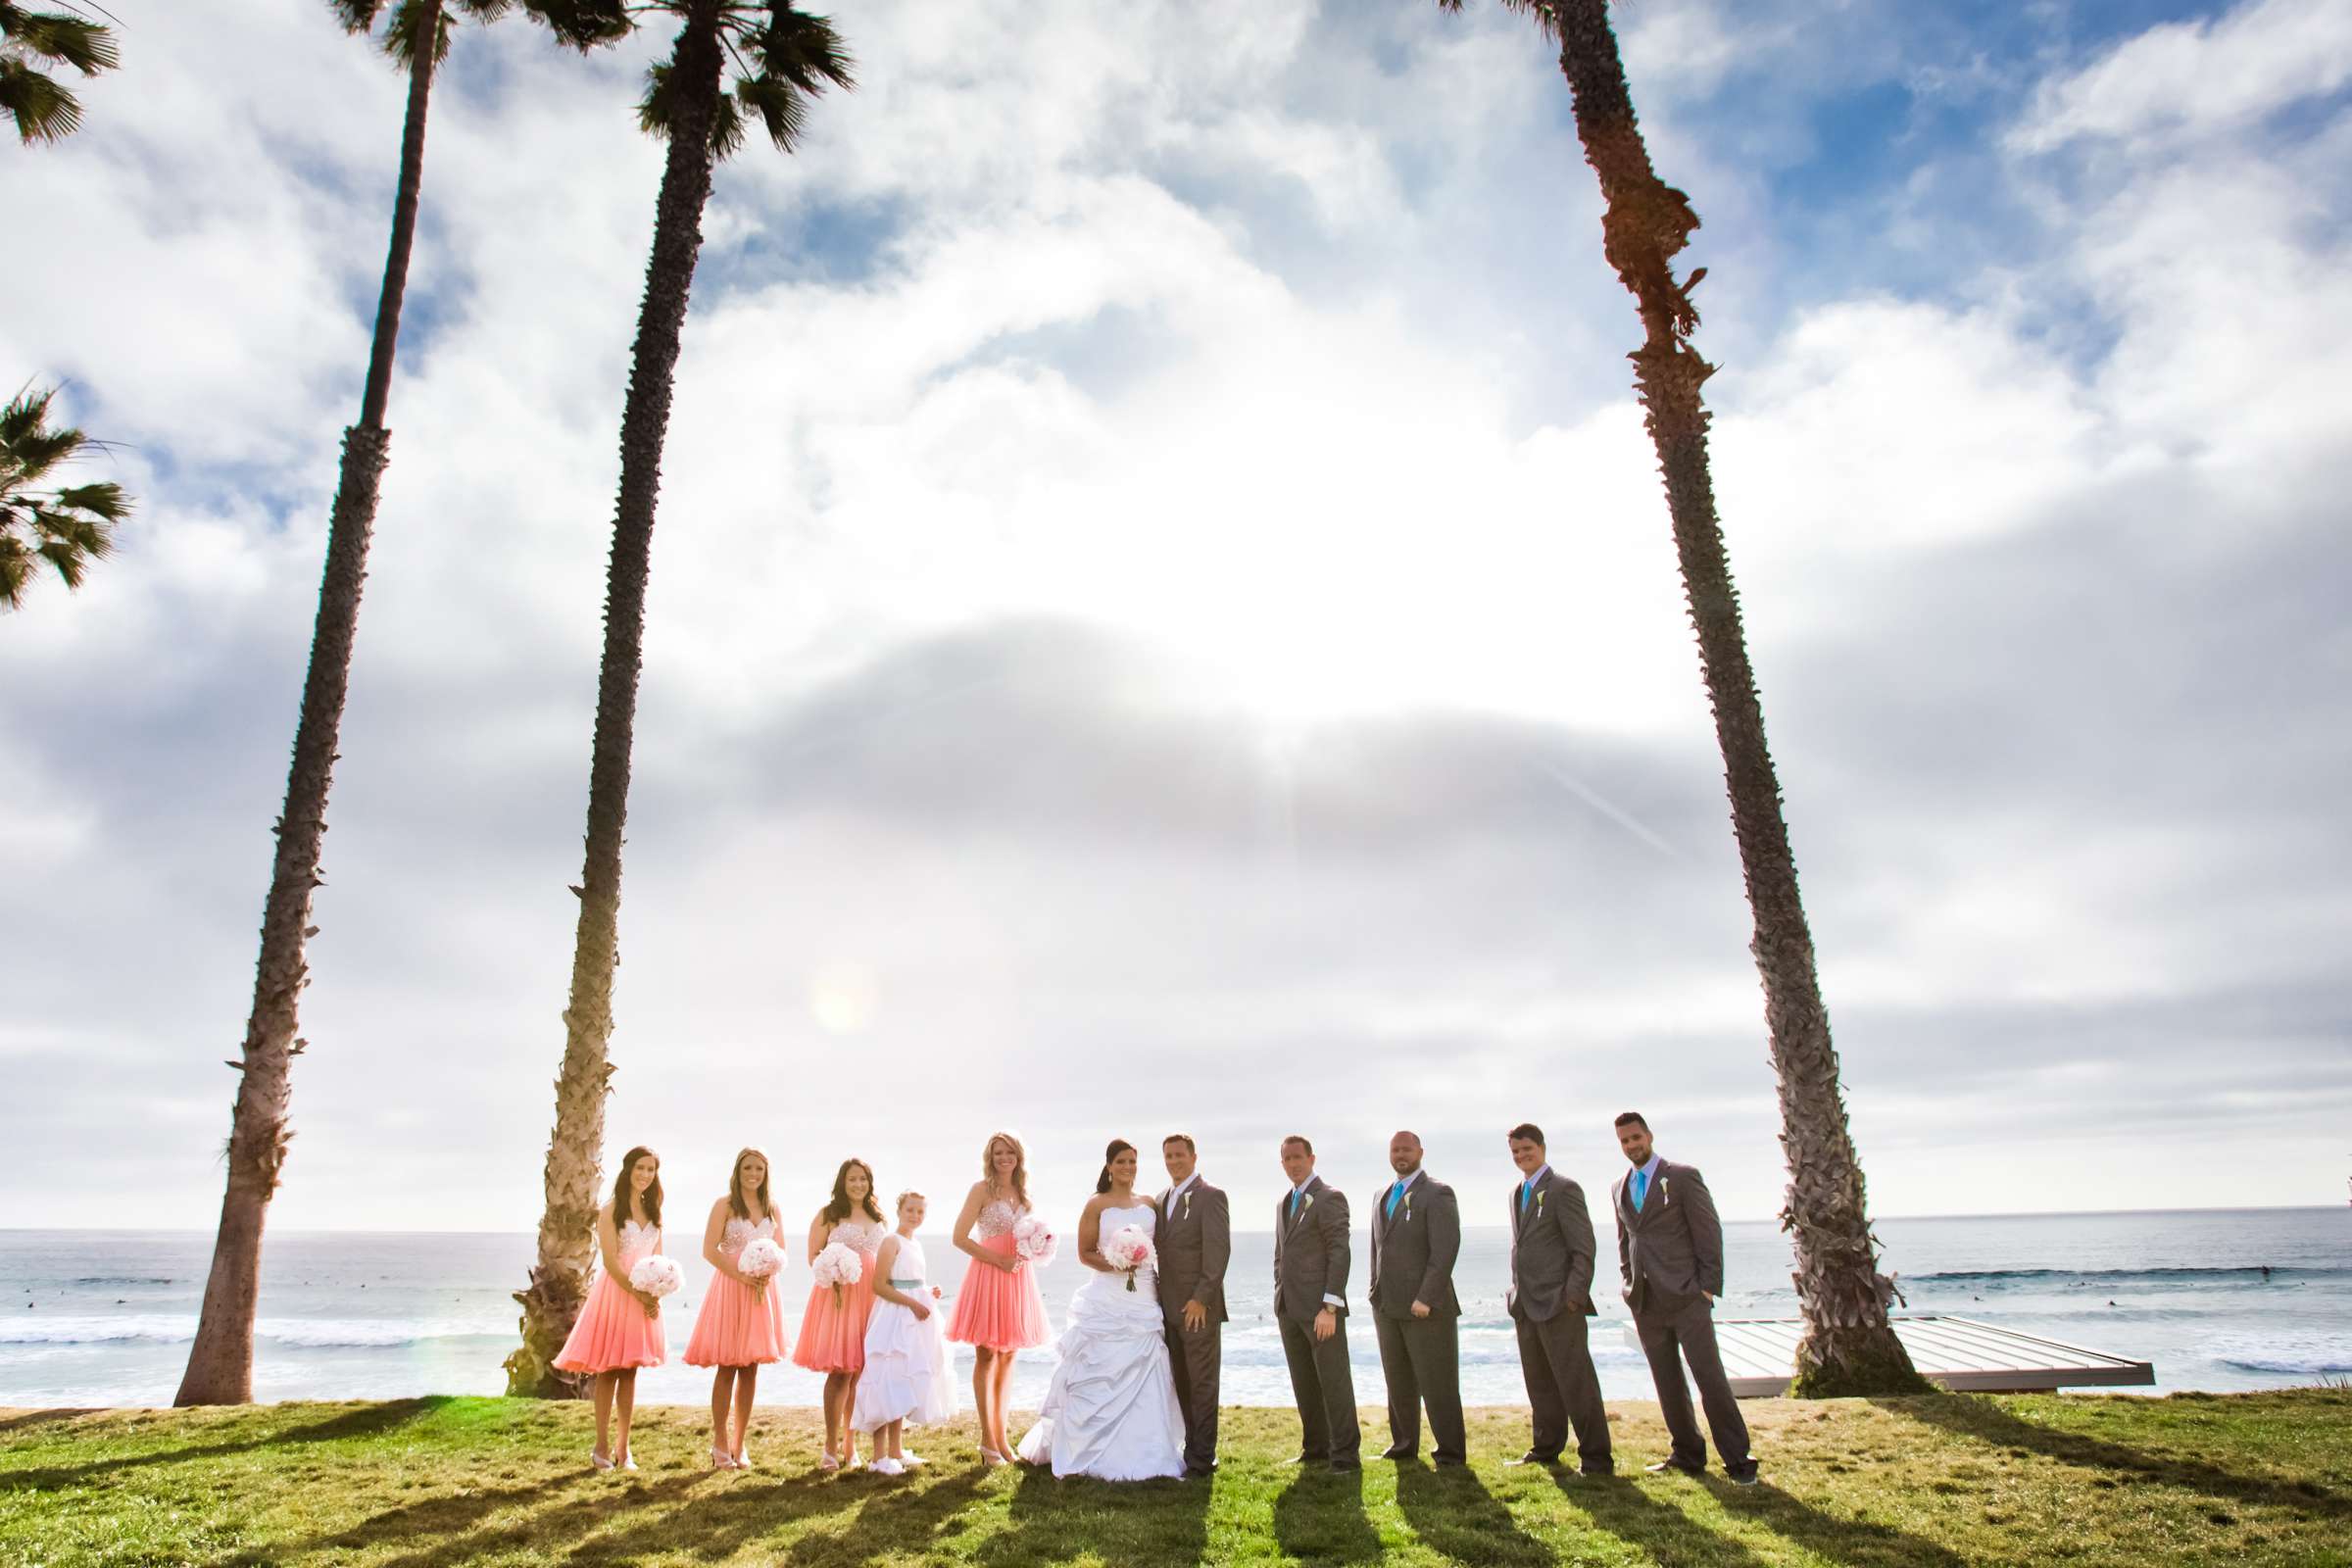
column 1632, row 1118
column 1527, row 1132
column 1304, row 1146
column 1185, row 1139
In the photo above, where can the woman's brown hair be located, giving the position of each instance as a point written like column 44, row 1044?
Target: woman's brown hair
column 840, row 1209
column 735, row 1197
column 651, row 1201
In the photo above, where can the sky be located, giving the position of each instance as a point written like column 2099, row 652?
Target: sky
column 1162, row 613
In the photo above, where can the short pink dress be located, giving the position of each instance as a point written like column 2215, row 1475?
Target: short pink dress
column 612, row 1331
column 996, row 1311
column 739, row 1326
column 833, row 1330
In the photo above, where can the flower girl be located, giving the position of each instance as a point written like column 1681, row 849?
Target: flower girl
column 741, row 1326
column 907, row 1376
column 842, row 1242
column 620, row 1330
column 1000, row 1310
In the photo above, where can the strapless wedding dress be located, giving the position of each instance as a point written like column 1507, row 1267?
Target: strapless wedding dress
column 1112, row 1411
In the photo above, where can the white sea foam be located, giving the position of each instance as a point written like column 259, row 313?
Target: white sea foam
column 300, row 1334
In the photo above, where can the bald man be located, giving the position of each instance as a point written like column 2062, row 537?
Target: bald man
column 1416, row 1236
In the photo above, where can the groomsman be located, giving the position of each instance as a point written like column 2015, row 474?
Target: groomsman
column 1670, row 1250
column 1550, row 1296
column 1311, row 1303
column 1195, row 1238
column 1417, row 1235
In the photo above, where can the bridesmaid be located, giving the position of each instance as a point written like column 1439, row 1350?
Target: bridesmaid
column 833, row 1330
column 740, row 1327
column 1001, row 1310
column 620, row 1330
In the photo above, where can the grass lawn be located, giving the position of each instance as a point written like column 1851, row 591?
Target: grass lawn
column 2234, row 1479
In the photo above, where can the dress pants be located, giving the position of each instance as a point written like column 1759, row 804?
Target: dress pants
column 1325, row 1388
column 1197, row 1359
column 1562, row 1388
column 1675, row 1329
column 1421, row 1359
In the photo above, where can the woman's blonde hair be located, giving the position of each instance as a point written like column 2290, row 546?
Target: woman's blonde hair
column 735, row 1195
column 1020, row 1165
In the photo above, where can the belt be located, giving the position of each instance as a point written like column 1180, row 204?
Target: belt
column 907, row 1285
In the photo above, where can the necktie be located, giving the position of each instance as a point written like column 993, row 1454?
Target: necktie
column 1641, row 1189
column 1394, row 1192
column 1527, row 1191
column 1294, row 1202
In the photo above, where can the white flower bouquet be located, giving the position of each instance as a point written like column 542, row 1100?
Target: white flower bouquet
column 1128, row 1251
column 761, row 1260
column 656, row 1276
column 1034, row 1241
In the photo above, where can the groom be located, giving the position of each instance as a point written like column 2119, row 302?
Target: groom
column 1310, row 1284
column 1195, row 1238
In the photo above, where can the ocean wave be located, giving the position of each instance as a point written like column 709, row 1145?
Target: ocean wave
column 1998, row 1278
column 298, row 1334
column 122, row 1279
column 2285, row 1354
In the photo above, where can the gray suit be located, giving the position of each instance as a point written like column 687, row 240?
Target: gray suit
column 1670, row 1254
column 1550, row 1296
column 1194, row 1239
column 1415, row 1240
column 1310, row 1262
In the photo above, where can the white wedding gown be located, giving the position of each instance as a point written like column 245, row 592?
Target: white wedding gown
column 1112, row 1411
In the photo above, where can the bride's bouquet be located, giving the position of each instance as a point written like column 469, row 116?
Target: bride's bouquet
column 761, row 1259
column 1128, row 1251
column 656, row 1276
column 1034, row 1241
column 837, row 1265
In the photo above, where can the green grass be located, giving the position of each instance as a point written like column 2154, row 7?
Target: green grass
column 2239, row 1480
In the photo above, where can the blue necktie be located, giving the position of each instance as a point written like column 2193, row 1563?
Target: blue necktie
column 1294, row 1202
column 1394, row 1192
column 1527, row 1191
column 1641, row 1189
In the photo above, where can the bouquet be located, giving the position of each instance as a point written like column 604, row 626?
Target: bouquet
column 837, row 1265
column 761, row 1259
column 1034, row 1241
column 1129, row 1250
column 656, row 1276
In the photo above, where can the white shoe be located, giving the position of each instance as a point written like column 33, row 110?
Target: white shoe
column 743, row 1460
column 887, row 1466
column 719, row 1459
column 597, row 1461
column 630, row 1463
column 910, row 1460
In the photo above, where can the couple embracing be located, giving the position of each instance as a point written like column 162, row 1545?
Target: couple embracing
column 1135, row 1395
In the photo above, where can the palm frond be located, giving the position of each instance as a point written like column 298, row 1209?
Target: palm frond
column 803, row 51
column 658, row 109
column 583, row 24
column 1547, row 17
column 782, row 107
column 357, row 16
column 86, row 45
column 42, row 110
column 407, row 35
column 105, row 501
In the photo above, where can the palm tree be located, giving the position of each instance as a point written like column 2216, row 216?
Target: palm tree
column 32, row 44
column 782, row 60
column 1848, row 1346
column 68, row 526
column 219, row 1367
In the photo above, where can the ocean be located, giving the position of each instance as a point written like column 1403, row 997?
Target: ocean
column 2217, row 1298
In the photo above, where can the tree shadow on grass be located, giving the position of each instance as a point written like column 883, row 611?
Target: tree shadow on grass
column 368, row 1421
column 1850, row 1542
column 1319, row 1517
column 1987, row 1422
column 1455, row 1516
column 1054, row 1520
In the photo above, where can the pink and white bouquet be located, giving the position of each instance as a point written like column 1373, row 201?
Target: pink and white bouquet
column 761, row 1260
column 656, row 1276
column 1034, row 1241
column 837, row 1265
column 1128, row 1251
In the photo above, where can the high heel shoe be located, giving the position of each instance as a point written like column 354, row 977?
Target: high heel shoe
column 597, row 1461
column 831, row 1461
column 719, row 1459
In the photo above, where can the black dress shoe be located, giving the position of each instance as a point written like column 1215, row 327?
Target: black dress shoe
column 1597, row 1471
column 1198, row 1472
column 1531, row 1456
column 1744, row 1478
column 1674, row 1466
column 1400, row 1453
column 1345, row 1465
column 1445, row 1460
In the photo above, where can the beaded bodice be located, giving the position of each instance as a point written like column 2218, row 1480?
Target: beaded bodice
column 860, row 1236
column 740, row 1233
column 998, row 1216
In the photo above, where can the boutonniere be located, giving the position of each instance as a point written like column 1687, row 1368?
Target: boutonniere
column 1409, row 1203
column 1665, row 1192
column 1306, row 1200
column 1541, row 1194
column 1187, row 1204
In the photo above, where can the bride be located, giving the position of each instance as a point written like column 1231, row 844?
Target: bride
column 1112, row 1411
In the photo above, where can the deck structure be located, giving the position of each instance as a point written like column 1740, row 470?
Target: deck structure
column 1759, row 1356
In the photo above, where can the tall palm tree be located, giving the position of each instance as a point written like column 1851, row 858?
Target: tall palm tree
column 219, row 1367
column 782, row 60
column 1848, row 1346
column 32, row 45
column 66, row 525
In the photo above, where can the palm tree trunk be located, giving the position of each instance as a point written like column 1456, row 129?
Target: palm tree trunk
column 219, row 1367
column 558, row 1280
column 1848, row 1346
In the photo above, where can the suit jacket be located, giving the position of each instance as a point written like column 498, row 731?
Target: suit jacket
column 1552, row 1250
column 1196, row 1241
column 1310, row 1253
column 1414, row 1251
column 1675, row 1244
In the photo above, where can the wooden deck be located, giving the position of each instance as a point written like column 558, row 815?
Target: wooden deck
column 1761, row 1356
